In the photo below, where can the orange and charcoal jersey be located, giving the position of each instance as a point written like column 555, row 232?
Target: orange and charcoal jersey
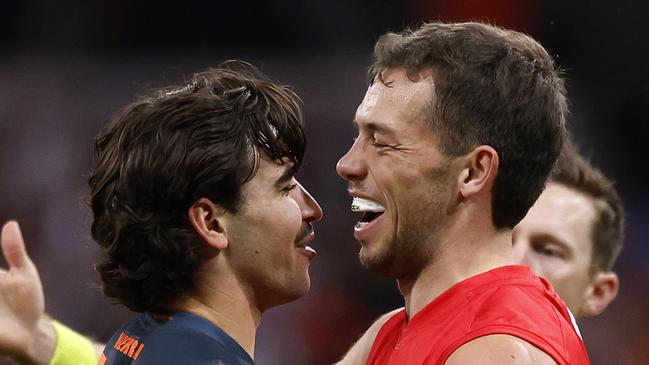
column 175, row 338
column 509, row 300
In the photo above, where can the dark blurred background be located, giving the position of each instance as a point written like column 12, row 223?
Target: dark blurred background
column 67, row 66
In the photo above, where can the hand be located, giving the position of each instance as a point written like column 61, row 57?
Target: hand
column 25, row 332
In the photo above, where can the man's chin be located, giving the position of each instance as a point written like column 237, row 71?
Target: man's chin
column 391, row 259
column 376, row 260
column 286, row 293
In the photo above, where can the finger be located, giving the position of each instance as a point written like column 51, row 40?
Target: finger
column 13, row 246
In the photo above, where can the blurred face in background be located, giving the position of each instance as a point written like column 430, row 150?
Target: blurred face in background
column 555, row 240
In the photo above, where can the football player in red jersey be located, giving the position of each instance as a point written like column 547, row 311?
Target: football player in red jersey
column 571, row 236
column 457, row 135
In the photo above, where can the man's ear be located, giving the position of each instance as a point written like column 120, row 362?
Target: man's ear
column 207, row 219
column 603, row 291
column 479, row 171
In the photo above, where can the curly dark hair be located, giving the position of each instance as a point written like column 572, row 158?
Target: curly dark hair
column 165, row 151
column 575, row 172
column 494, row 87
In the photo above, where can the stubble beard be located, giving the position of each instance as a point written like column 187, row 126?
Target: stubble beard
column 406, row 253
column 415, row 244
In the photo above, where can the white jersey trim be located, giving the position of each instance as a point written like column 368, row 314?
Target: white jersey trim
column 574, row 324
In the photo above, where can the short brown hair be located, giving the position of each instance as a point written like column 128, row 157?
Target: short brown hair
column 574, row 171
column 492, row 87
column 165, row 151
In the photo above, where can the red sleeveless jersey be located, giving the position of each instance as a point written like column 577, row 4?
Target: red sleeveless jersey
column 507, row 300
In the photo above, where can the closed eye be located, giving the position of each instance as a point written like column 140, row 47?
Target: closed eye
column 378, row 144
column 288, row 188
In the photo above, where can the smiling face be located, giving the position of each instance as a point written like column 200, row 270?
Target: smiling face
column 555, row 240
column 268, row 236
column 397, row 176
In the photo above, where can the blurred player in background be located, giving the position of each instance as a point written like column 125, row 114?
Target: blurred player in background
column 573, row 234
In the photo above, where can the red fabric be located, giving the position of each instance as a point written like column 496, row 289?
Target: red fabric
column 508, row 300
column 524, row 16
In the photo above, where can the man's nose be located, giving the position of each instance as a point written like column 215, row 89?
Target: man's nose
column 351, row 166
column 311, row 210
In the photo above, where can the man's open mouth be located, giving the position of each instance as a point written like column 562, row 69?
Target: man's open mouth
column 370, row 209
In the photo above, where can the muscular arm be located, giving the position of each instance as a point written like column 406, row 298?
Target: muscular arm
column 26, row 333
column 357, row 355
column 499, row 350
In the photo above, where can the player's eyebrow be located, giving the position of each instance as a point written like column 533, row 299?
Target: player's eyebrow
column 546, row 237
column 374, row 127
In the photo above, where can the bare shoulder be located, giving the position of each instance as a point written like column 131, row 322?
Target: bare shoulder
column 376, row 326
column 361, row 349
column 501, row 350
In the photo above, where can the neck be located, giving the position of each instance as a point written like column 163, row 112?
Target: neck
column 223, row 301
column 459, row 257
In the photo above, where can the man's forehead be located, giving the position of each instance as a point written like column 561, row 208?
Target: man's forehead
column 396, row 93
column 572, row 202
column 563, row 212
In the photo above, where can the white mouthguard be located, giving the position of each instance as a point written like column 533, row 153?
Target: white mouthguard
column 365, row 205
